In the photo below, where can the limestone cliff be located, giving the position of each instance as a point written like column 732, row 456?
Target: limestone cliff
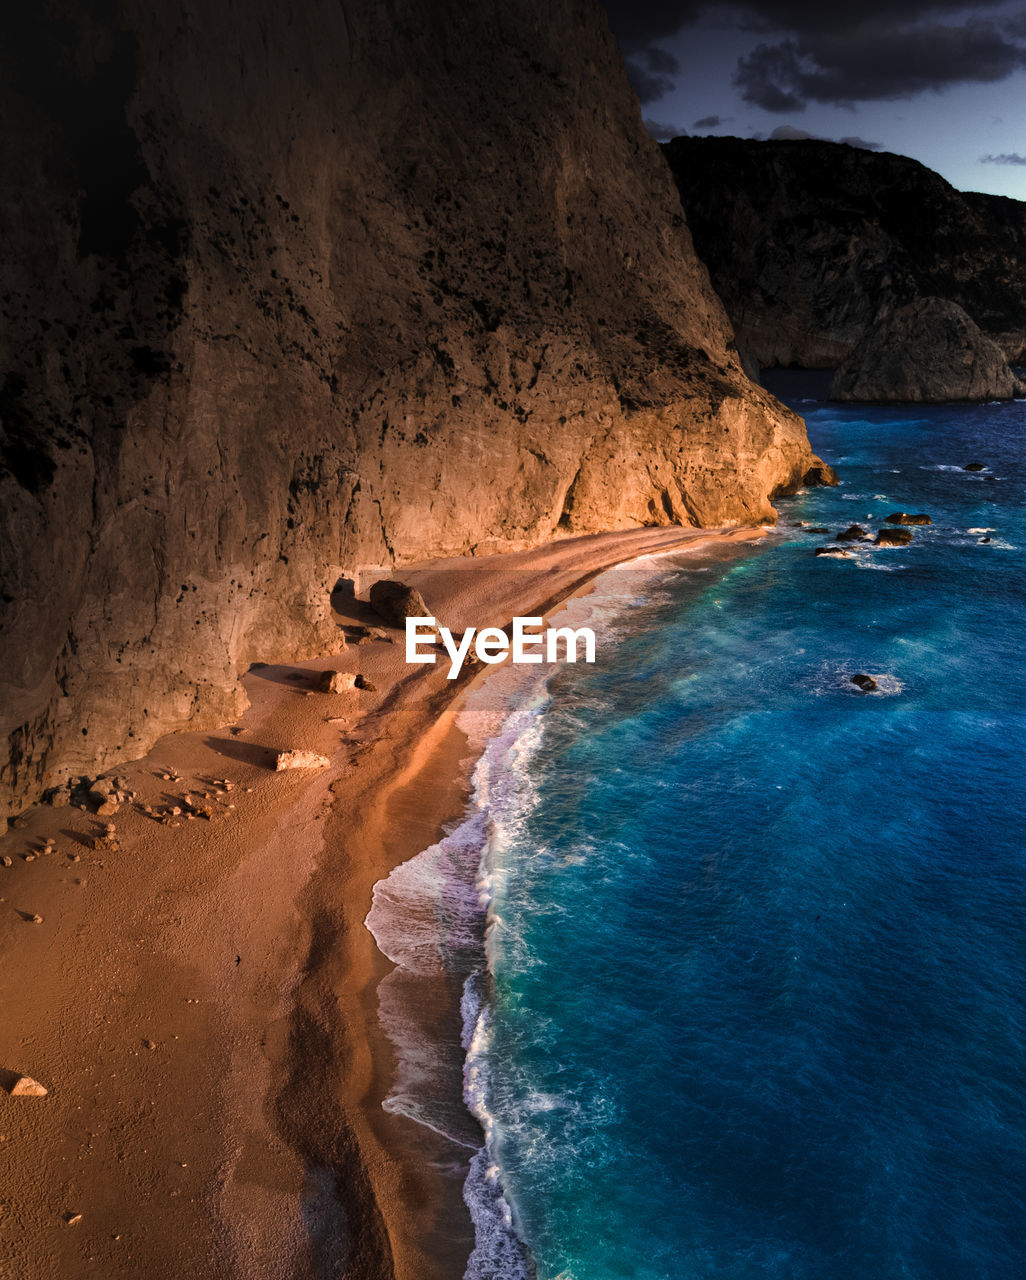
column 926, row 352
column 810, row 243
column 291, row 289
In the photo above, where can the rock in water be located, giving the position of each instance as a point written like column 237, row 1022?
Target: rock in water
column 300, row 760
column 893, row 538
column 26, row 1087
column 834, row 553
column 929, row 351
column 903, row 517
column 866, row 683
column 974, row 466
column 395, row 602
column 821, row 474
column 853, row 533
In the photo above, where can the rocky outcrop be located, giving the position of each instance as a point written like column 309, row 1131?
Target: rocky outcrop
column 808, row 242
column 287, row 293
column 928, row 351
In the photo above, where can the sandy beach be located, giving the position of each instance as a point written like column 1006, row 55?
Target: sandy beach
column 199, row 1000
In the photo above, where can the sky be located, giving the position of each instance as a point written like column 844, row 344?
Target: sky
column 943, row 81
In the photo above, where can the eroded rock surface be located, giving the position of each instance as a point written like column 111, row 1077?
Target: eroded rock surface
column 287, row 293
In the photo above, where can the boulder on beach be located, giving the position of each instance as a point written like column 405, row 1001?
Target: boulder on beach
column 853, row 533
column 866, row 683
column 929, row 351
column 26, row 1087
column 893, row 537
column 300, row 760
column 395, row 602
column 336, row 681
column 903, row 517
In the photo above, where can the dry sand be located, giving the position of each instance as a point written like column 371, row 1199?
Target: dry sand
column 200, row 1003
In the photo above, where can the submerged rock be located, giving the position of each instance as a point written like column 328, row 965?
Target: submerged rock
column 893, row 538
column 866, row 683
column 903, row 517
column 929, row 351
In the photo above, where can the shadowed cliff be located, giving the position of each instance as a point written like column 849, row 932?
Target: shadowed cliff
column 810, row 243
column 290, row 290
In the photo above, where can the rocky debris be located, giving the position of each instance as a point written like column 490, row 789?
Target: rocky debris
column 903, row 517
column 336, row 681
column 834, row 553
column 366, row 685
column 853, row 533
column 929, row 351
column 71, row 1218
column 107, row 842
column 300, row 760
column 974, row 466
column 7, row 861
column 866, row 683
column 395, row 602
column 893, row 538
column 807, row 242
column 26, row 1087
column 59, row 797
column 36, row 918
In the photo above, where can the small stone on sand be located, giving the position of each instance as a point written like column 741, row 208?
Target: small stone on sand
column 300, row 760
column 26, row 1087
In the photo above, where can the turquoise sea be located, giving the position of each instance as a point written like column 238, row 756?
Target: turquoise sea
column 752, row 1000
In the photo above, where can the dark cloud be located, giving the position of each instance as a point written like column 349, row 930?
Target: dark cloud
column 1006, row 157
column 788, row 133
column 841, row 55
column 664, row 132
column 864, row 65
column 713, row 122
column 651, row 71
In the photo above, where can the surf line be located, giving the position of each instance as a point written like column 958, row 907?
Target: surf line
column 493, row 644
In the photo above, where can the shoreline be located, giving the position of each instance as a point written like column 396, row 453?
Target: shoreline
column 251, row 1134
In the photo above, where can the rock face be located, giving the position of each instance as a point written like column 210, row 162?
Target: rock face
column 928, row 351
column 806, row 242
column 284, row 296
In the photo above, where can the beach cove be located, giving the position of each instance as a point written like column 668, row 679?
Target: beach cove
column 200, row 1001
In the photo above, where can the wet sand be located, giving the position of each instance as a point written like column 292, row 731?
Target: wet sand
column 249, row 1140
